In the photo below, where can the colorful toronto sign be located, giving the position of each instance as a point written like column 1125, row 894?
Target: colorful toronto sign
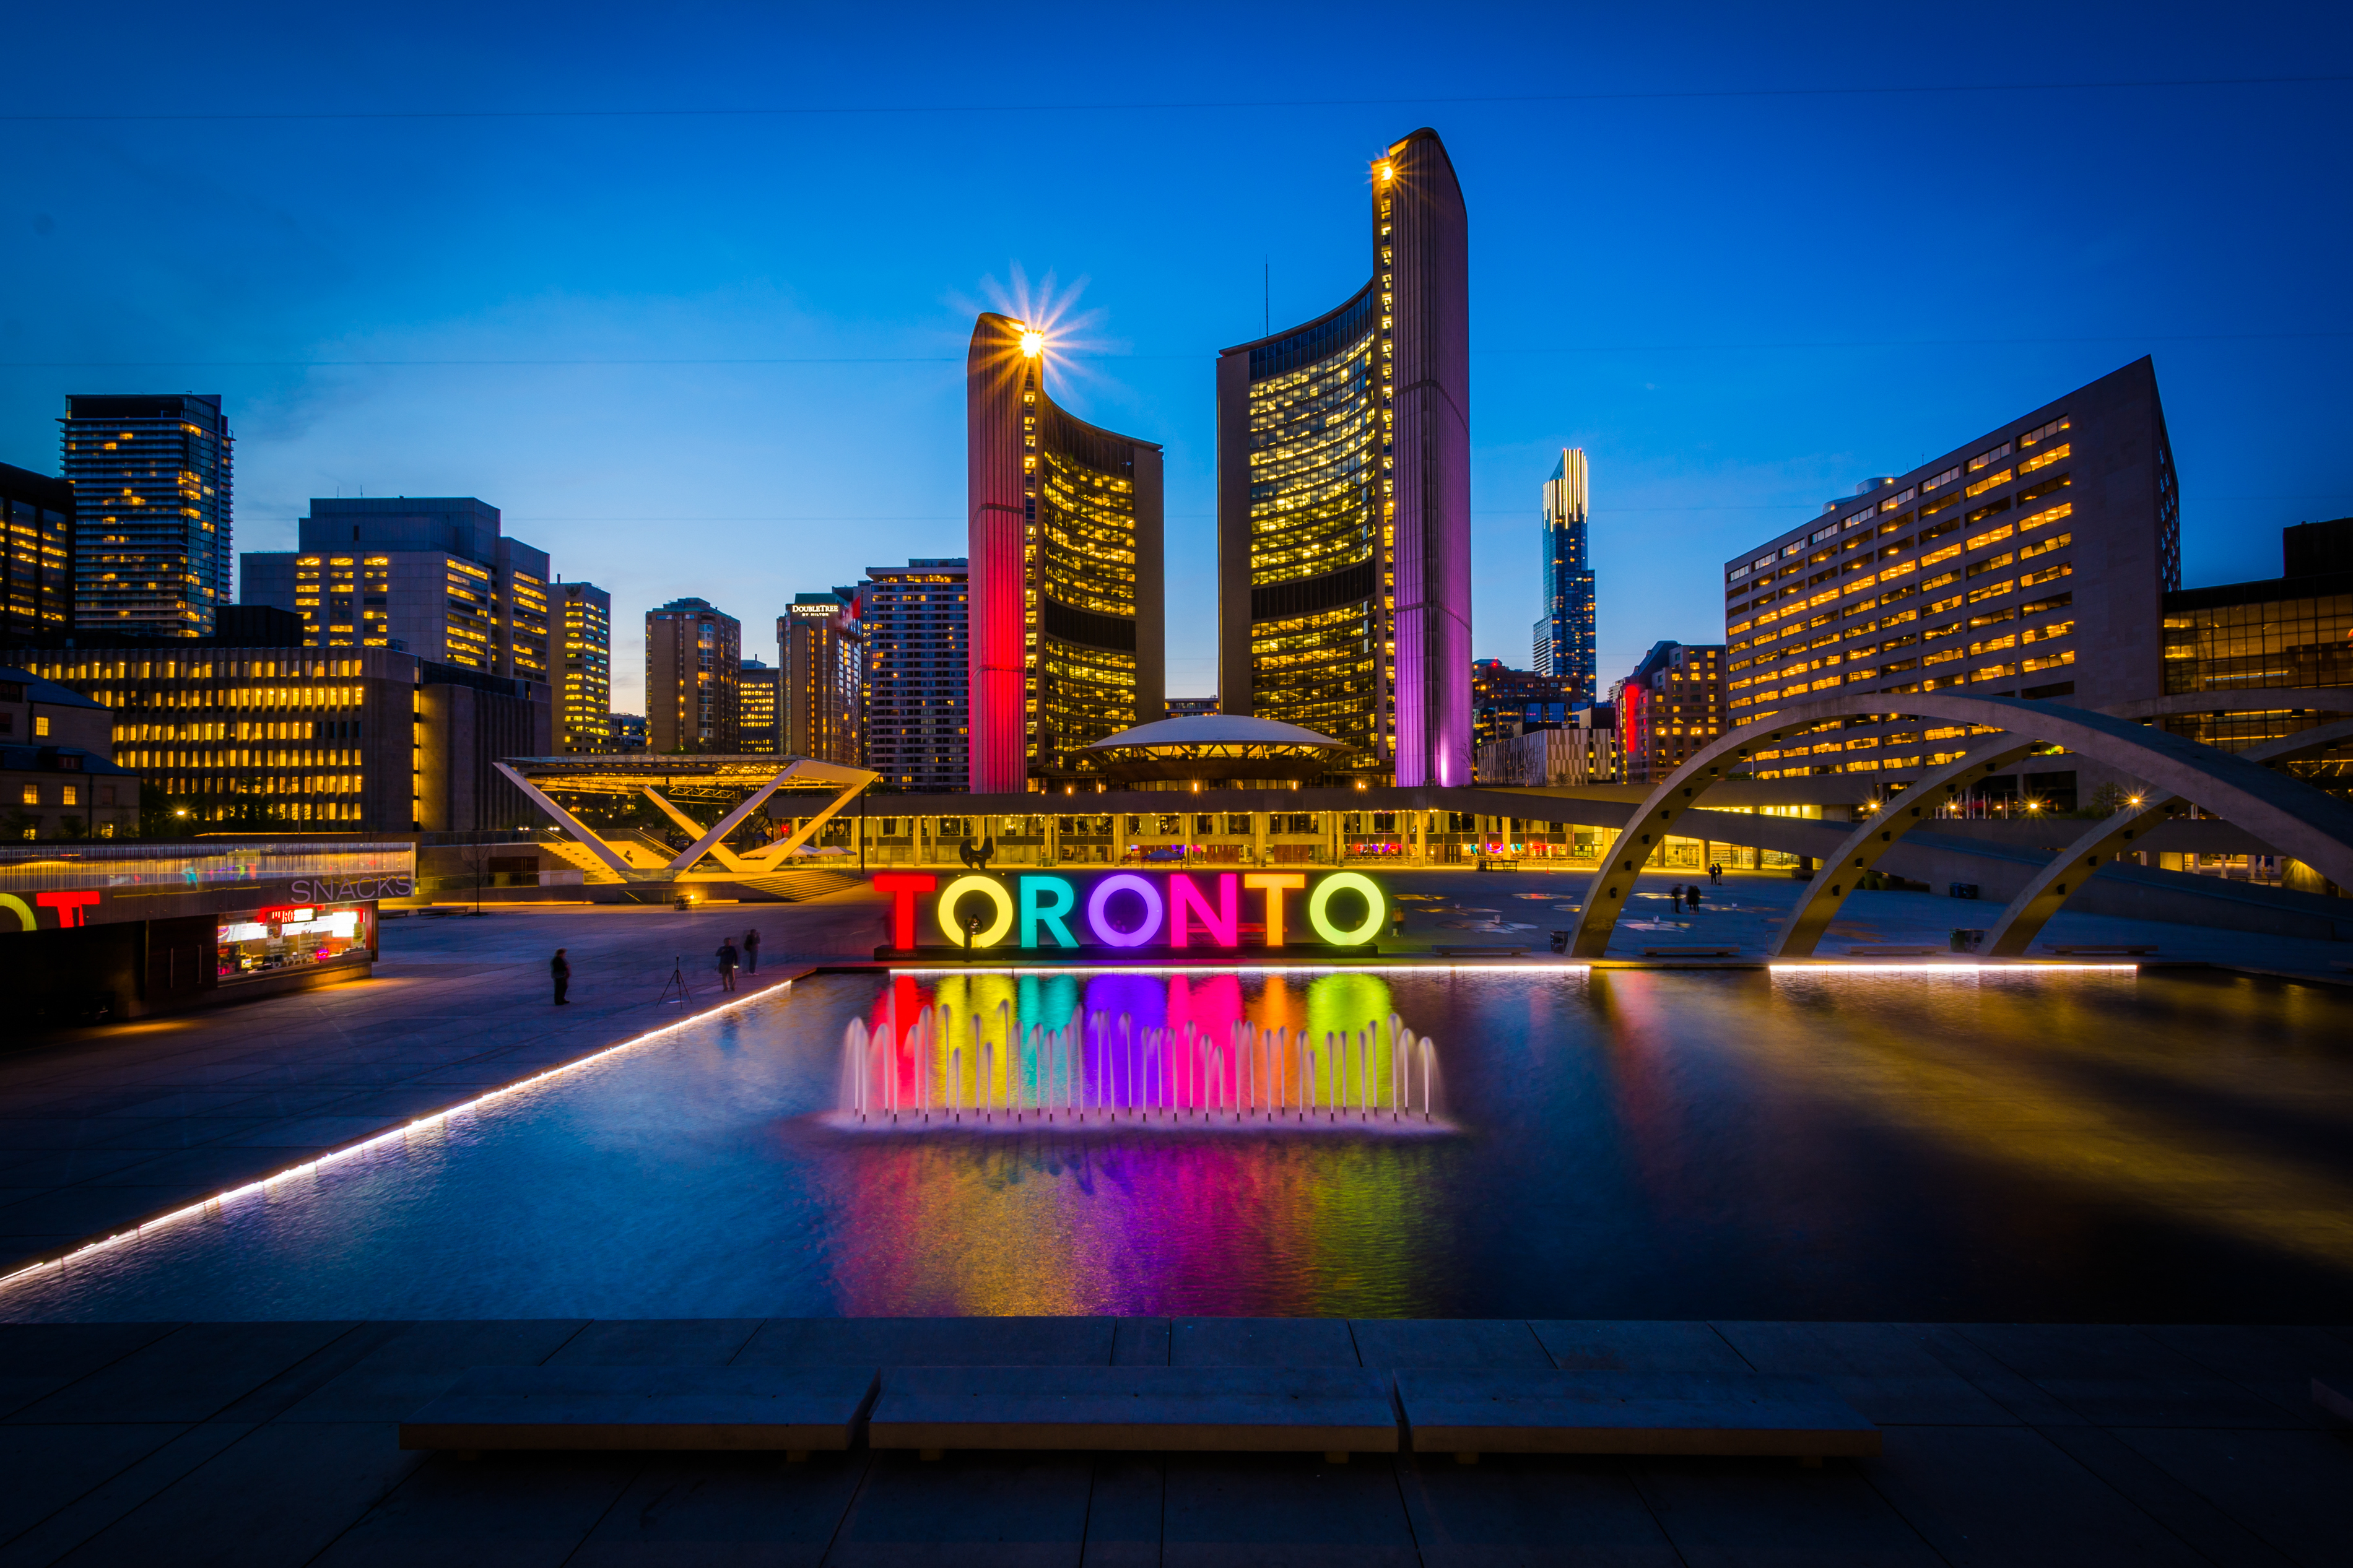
column 1181, row 910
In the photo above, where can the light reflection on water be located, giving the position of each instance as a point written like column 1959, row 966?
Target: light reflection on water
column 1634, row 1144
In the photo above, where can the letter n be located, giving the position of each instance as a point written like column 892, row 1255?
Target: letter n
column 1221, row 925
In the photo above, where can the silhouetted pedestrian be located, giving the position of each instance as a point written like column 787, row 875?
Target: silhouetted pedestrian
column 726, row 957
column 1676, row 893
column 1691, row 897
column 1716, row 874
column 561, row 972
column 752, row 952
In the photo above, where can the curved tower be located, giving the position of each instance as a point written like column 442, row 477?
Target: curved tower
column 1066, row 570
column 1343, row 496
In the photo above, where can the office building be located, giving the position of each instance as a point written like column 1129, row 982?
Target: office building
column 1988, row 569
column 1191, row 707
column 820, row 700
column 2291, row 633
column 1344, row 498
column 1672, row 704
column 59, row 779
column 327, row 739
column 693, row 655
column 1563, row 646
column 37, row 581
column 1066, row 570
column 759, row 698
column 1507, row 701
column 153, row 511
column 1581, row 752
column 430, row 576
column 918, row 682
column 585, row 703
column 630, row 732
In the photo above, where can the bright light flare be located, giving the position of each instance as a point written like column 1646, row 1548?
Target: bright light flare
column 1033, row 343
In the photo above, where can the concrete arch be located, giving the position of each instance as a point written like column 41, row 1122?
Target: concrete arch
column 2023, row 918
column 2306, row 823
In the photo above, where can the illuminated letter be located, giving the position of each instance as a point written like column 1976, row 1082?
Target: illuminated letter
column 20, row 909
column 1320, row 900
column 69, row 907
column 1044, row 902
column 1274, row 883
column 902, row 887
column 1222, row 925
column 988, row 887
column 1099, row 907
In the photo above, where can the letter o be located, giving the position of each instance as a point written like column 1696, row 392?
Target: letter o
column 1320, row 900
column 1099, row 908
column 988, row 887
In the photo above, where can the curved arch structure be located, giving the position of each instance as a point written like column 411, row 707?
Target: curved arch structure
column 2045, row 894
column 2287, row 813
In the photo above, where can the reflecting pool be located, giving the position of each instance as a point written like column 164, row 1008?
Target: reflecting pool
column 1921, row 1145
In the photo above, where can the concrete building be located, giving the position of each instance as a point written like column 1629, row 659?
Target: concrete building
column 2030, row 561
column 820, row 695
column 1563, row 640
column 1343, row 496
column 226, row 737
column 917, row 690
column 1067, row 578
column 36, row 568
column 1672, row 704
column 1507, row 701
column 693, row 655
column 153, row 510
column 57, row 774
column 1191, row 707
column 759, row 698
column 630, row 732
column 1569, row 756
column 584, row 700
column 430, row 576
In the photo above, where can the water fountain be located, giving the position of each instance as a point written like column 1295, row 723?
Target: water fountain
column 942, row 1069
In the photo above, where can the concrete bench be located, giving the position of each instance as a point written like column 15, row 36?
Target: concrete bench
column 1690, row 953
column 796, row 1409
column 1512, row 1411
column 1457, row 950
column 1334, row 1411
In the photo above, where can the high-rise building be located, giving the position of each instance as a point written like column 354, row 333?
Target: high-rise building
column 152, row 508
column 693, row 655
column 820, row 700
column 918, row 683
column 630, row 732
column 1191, row 707
column 1986, row 569
column 1344, row 498
column 1564, row 633
column 36, row 584
column 759, row 699
column 1507, row 701
column 1669, row 707
column 584, row 707
column 428, row 575
column 1066, row 570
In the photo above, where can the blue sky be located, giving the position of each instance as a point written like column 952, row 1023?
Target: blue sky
column 1744, row 257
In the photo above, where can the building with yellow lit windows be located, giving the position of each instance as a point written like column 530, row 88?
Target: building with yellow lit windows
column 820, row 690
column 1344, row 498
column 1066, row 572
column 37, row 590
column 694, row 661
column 153, row 511
column 431, row 576
column 757, row 698
column 584, row 700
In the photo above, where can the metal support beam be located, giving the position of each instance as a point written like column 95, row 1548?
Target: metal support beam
column 591, row 842
column 774, row 856
column 719, row 852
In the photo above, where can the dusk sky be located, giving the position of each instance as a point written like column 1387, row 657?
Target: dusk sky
column 685, row 290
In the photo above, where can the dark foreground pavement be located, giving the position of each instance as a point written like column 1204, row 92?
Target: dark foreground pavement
column 261, row 1444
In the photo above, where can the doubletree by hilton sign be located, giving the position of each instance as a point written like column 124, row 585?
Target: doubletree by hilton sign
column 1178, row 912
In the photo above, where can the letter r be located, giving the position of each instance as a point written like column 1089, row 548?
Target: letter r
column 1044, row 902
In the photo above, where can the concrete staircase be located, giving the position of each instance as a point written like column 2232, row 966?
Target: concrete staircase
column 575, row 853
column 793, row 887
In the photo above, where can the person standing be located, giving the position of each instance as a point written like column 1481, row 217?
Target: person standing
column 752, row 951
column 1715, row 873
column 726, row 965
column 561, row 972
column 1691, row 897
column 1676, row 893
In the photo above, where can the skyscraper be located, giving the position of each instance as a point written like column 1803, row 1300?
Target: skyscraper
column 757, row 696
column 918, row 679
column 152, row 506
column 1564, row 633
column 694, row 654
column 432, row 576
column 36, row 589
column 819, row 694
column 1343, row 496
column 1066, row 569
column 584, row 709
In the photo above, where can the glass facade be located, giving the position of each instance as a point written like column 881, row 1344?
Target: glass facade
column 1564, row 633
column 2305, row 640
column 259, row 943
column 36, row 592
column 916, row 685
column 153, row 507
column 585, row 706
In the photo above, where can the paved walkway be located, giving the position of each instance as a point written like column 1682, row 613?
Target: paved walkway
column 102, row 1128
column 263, row 1444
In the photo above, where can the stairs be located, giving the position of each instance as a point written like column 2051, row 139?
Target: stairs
column 792, row 887
column 575, row 853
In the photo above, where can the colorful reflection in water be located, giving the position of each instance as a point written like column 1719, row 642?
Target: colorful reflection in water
column 1006, row 1050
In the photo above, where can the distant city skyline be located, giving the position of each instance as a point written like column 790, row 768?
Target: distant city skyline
column 583, row 317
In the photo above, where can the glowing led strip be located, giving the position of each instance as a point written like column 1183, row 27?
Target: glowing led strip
column 1836, row 966
column 1051, row 968
column 386, row 1136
